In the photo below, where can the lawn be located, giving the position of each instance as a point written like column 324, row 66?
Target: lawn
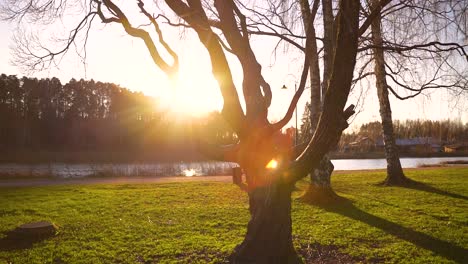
column 201, row 222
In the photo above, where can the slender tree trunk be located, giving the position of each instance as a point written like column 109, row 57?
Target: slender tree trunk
column 320, row 190
column 395, row 175
column 308, row 15
column 269, row 232
column 328, row 43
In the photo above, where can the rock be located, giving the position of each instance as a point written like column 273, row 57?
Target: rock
column 36, row 229
column 26, row 235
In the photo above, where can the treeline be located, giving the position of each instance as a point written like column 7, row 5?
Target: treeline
column 446, row 131
column 82, row 115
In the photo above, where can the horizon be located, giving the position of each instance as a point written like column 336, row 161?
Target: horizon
column 185, row 115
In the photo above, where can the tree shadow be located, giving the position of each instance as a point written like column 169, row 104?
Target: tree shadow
column 439, row 247
column 415, row 211
column 431, row 189
column 321, row 196
column 15, row 241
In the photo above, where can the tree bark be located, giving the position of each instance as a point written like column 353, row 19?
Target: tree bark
column 269, row 231
column 395, row 175
column 268, row 238
column 328, row 43
column 319, row 189
column 308, row 16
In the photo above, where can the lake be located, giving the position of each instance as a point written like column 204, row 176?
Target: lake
column 371, row 164
column 65, row 170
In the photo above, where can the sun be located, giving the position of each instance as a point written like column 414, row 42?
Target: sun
column 189, row 173
column 272, row 164
column 194, row 94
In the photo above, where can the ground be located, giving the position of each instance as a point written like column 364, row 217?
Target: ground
column 202, row 221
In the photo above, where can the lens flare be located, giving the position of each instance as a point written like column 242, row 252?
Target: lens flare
column 189, row 173
column 272, row 164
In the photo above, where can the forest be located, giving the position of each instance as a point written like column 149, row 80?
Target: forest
column 40, row 115
column 81, row 115
column 445, row 131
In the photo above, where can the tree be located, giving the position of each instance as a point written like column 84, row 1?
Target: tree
column 418, row 14
column 268, row 238
column 425, row 55
column 319, row 189
column 395, row 175
column 276, row 21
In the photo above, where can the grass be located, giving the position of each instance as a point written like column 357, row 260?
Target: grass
column 201, row 222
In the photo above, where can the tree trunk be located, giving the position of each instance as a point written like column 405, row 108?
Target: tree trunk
column 395, row 174
column 328, row 43
column 320, row 187
column 308, row 15
column 269, row 232
column 319, row 190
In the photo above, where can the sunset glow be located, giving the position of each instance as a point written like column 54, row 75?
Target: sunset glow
column 272, row 164
column 189, row 173
column 196, row 93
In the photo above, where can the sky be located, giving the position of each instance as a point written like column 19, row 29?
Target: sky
column 113, row 56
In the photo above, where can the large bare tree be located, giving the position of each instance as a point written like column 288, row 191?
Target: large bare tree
column 221, row 27
column 282, row 24
column 410, row 40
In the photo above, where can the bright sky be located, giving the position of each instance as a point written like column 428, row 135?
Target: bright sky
column 113, row 56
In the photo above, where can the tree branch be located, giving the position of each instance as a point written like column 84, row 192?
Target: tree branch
column 333, row 119
column 196, row 18
column 373, row 14
column 255, row 102
column 401, row 48
column 145, row 36
column 26, row 55
column 160, row 35
column 289, row 114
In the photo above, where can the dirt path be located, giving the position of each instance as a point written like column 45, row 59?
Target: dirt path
column 118, row 180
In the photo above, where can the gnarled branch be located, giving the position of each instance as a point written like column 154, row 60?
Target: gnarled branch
column 170, row 70
column 196, row 18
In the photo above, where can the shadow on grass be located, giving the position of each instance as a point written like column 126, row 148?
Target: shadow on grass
column 431, row 189
column 15, row 241
column 439, row 247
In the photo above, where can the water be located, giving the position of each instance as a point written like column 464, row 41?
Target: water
column 64, row 170
column 371, row 164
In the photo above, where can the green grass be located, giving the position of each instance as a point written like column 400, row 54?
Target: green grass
column 201, row 222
